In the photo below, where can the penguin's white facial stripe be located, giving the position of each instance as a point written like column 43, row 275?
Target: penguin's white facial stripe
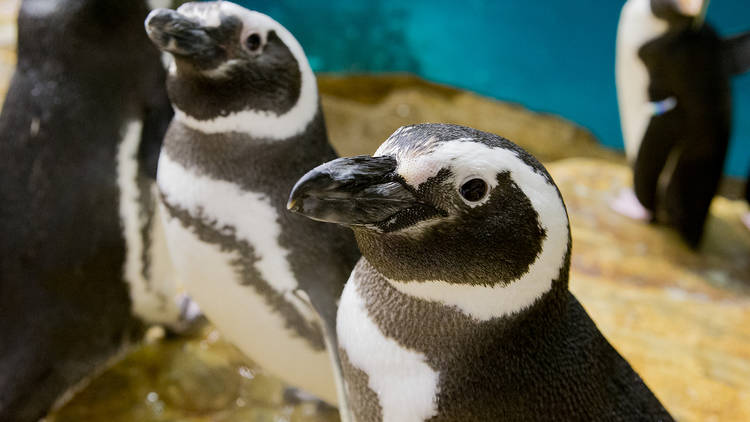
column 405, row 385
column 207, row 14
column 262, row 124
column 468, row 159
column 471, row 158
column 210, row 14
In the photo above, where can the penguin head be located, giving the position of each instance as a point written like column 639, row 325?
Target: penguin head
column 444, row 202
column 659, row 16
column 677, row 11
column 228, row 59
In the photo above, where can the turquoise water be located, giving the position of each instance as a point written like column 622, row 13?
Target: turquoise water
column 549, row 55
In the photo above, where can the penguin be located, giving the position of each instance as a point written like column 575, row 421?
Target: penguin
column 672, row 73
column 83, row 266
column 247, row 125
column 459, row 308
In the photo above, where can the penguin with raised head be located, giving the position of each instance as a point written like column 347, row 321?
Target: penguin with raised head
column 247, row 125
column 82, row 263
column 673, row 74
column 459, row 308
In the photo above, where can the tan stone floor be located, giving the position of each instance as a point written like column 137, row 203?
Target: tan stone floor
column 681, row 318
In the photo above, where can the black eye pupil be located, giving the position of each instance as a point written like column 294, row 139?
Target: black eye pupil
column 253, row 42
column 473, row 190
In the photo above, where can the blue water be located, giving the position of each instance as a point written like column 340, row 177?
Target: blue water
column 549, row 55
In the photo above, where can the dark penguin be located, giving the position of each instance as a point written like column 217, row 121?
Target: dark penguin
column 80, row 134
column 459, row 309
column 247, row 125
column 673, row 75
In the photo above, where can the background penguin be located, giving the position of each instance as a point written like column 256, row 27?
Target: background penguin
column 675, row 106
column 81, row 262
column 247, row 125
column 459, row 308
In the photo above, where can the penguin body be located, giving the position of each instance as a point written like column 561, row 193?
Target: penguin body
column 675, row 106
column 459, row 307
column 82, row 264
column 248, row 124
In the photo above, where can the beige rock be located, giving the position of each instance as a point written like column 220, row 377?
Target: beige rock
column 362, row 111
column 681, row 318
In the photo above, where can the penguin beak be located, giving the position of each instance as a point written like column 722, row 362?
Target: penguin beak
column 175, row 33
column 358, row 190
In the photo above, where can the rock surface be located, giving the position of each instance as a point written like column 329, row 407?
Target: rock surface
column 681, row 318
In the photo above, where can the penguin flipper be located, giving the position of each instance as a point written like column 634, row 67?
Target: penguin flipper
column 155, row 123
column 736, row 53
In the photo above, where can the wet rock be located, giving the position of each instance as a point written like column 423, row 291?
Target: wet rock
column 199, row 380
column 266, row 390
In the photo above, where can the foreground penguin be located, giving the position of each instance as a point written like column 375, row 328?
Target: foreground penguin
column 82, row 264
column 673, row 89
column 247, row 125
column 459, row 309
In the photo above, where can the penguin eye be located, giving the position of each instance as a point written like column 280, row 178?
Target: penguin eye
column 253, row 42
column 473, row 190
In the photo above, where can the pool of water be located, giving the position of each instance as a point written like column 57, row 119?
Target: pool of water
column 550, row 56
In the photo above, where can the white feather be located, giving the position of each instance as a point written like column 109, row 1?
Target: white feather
column 405, row 385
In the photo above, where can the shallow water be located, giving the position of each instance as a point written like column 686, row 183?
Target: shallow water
column 196, row 378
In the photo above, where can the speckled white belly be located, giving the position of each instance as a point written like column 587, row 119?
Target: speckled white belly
column 239, row 311
column 405, row 385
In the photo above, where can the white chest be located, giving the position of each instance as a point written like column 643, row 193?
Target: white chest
column 637, row 26
column 209, row 261
column 405, row 385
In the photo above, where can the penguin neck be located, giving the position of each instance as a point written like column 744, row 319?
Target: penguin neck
column 485, row 303
column 262, row 124
column 482, row 304
column 254, row 163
